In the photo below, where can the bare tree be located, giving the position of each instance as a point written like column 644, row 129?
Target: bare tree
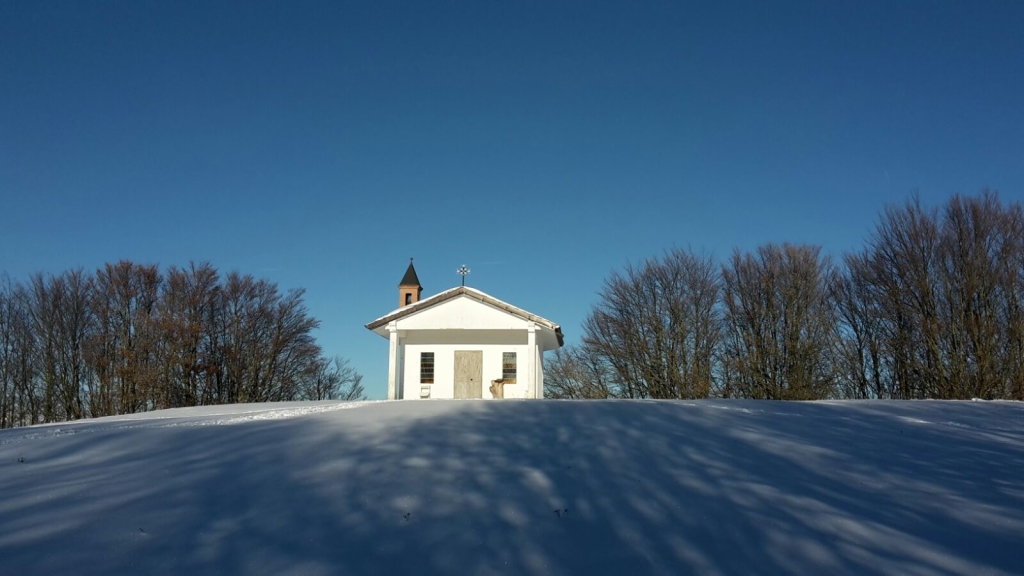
column 266, row 341
column 129, row 339
column 6, row 351
column 333, row 380
column 43, row 307
column 940, row 294
column 20, row 403
column 904, row 254
column 780, row 323
column 20, row 358
column 863, row 368
column 980, row 241
column 656, row 327
column 75, row 323
column 123, row 350
column 576, row 373
column 182, row 319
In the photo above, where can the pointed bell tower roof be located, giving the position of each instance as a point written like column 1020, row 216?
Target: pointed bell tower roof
column 410, row 278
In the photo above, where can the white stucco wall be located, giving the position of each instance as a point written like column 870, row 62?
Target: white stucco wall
column 462, row 313
column 465, row 323
column 540, row 372
column 444, row 369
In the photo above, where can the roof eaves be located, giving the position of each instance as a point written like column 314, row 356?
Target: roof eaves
column 476, row 295
column 415, row 307
column 488, row 299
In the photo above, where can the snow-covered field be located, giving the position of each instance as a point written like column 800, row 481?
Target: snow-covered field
column 521, row 487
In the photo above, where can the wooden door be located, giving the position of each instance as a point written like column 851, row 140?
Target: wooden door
column 469, row 373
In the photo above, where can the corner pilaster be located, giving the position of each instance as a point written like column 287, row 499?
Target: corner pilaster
column 393, row 366
column 531, row 360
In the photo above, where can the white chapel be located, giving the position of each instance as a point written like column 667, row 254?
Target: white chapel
column 463, row 343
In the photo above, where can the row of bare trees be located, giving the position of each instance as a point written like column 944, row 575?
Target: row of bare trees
column 129, row 339
column 931, row 307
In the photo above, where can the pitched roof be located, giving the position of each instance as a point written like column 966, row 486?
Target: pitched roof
column 410, row 278
column 474, row 294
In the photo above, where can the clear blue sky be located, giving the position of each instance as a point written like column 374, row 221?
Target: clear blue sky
column 544, row 144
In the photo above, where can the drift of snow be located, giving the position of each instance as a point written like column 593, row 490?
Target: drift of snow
column 521, row 487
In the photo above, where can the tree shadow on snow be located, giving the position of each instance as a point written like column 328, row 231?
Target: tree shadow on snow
column 532, row 488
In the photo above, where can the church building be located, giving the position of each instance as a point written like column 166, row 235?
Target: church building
column 463, row 343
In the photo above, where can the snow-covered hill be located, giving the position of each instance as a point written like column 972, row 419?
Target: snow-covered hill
column 521, row 487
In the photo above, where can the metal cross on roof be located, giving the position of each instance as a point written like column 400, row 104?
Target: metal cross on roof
column 462, row 271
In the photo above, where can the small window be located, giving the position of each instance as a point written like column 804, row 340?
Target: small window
column 408, row 298
column 426, row 367
column 508, row 367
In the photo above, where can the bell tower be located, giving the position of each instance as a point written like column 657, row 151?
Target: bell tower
column 409, row 289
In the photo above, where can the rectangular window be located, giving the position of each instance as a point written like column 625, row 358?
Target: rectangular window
column 426, row 367
column 508, row 367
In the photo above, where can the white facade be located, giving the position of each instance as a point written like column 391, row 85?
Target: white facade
column 467, row 322
column 410, row 387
